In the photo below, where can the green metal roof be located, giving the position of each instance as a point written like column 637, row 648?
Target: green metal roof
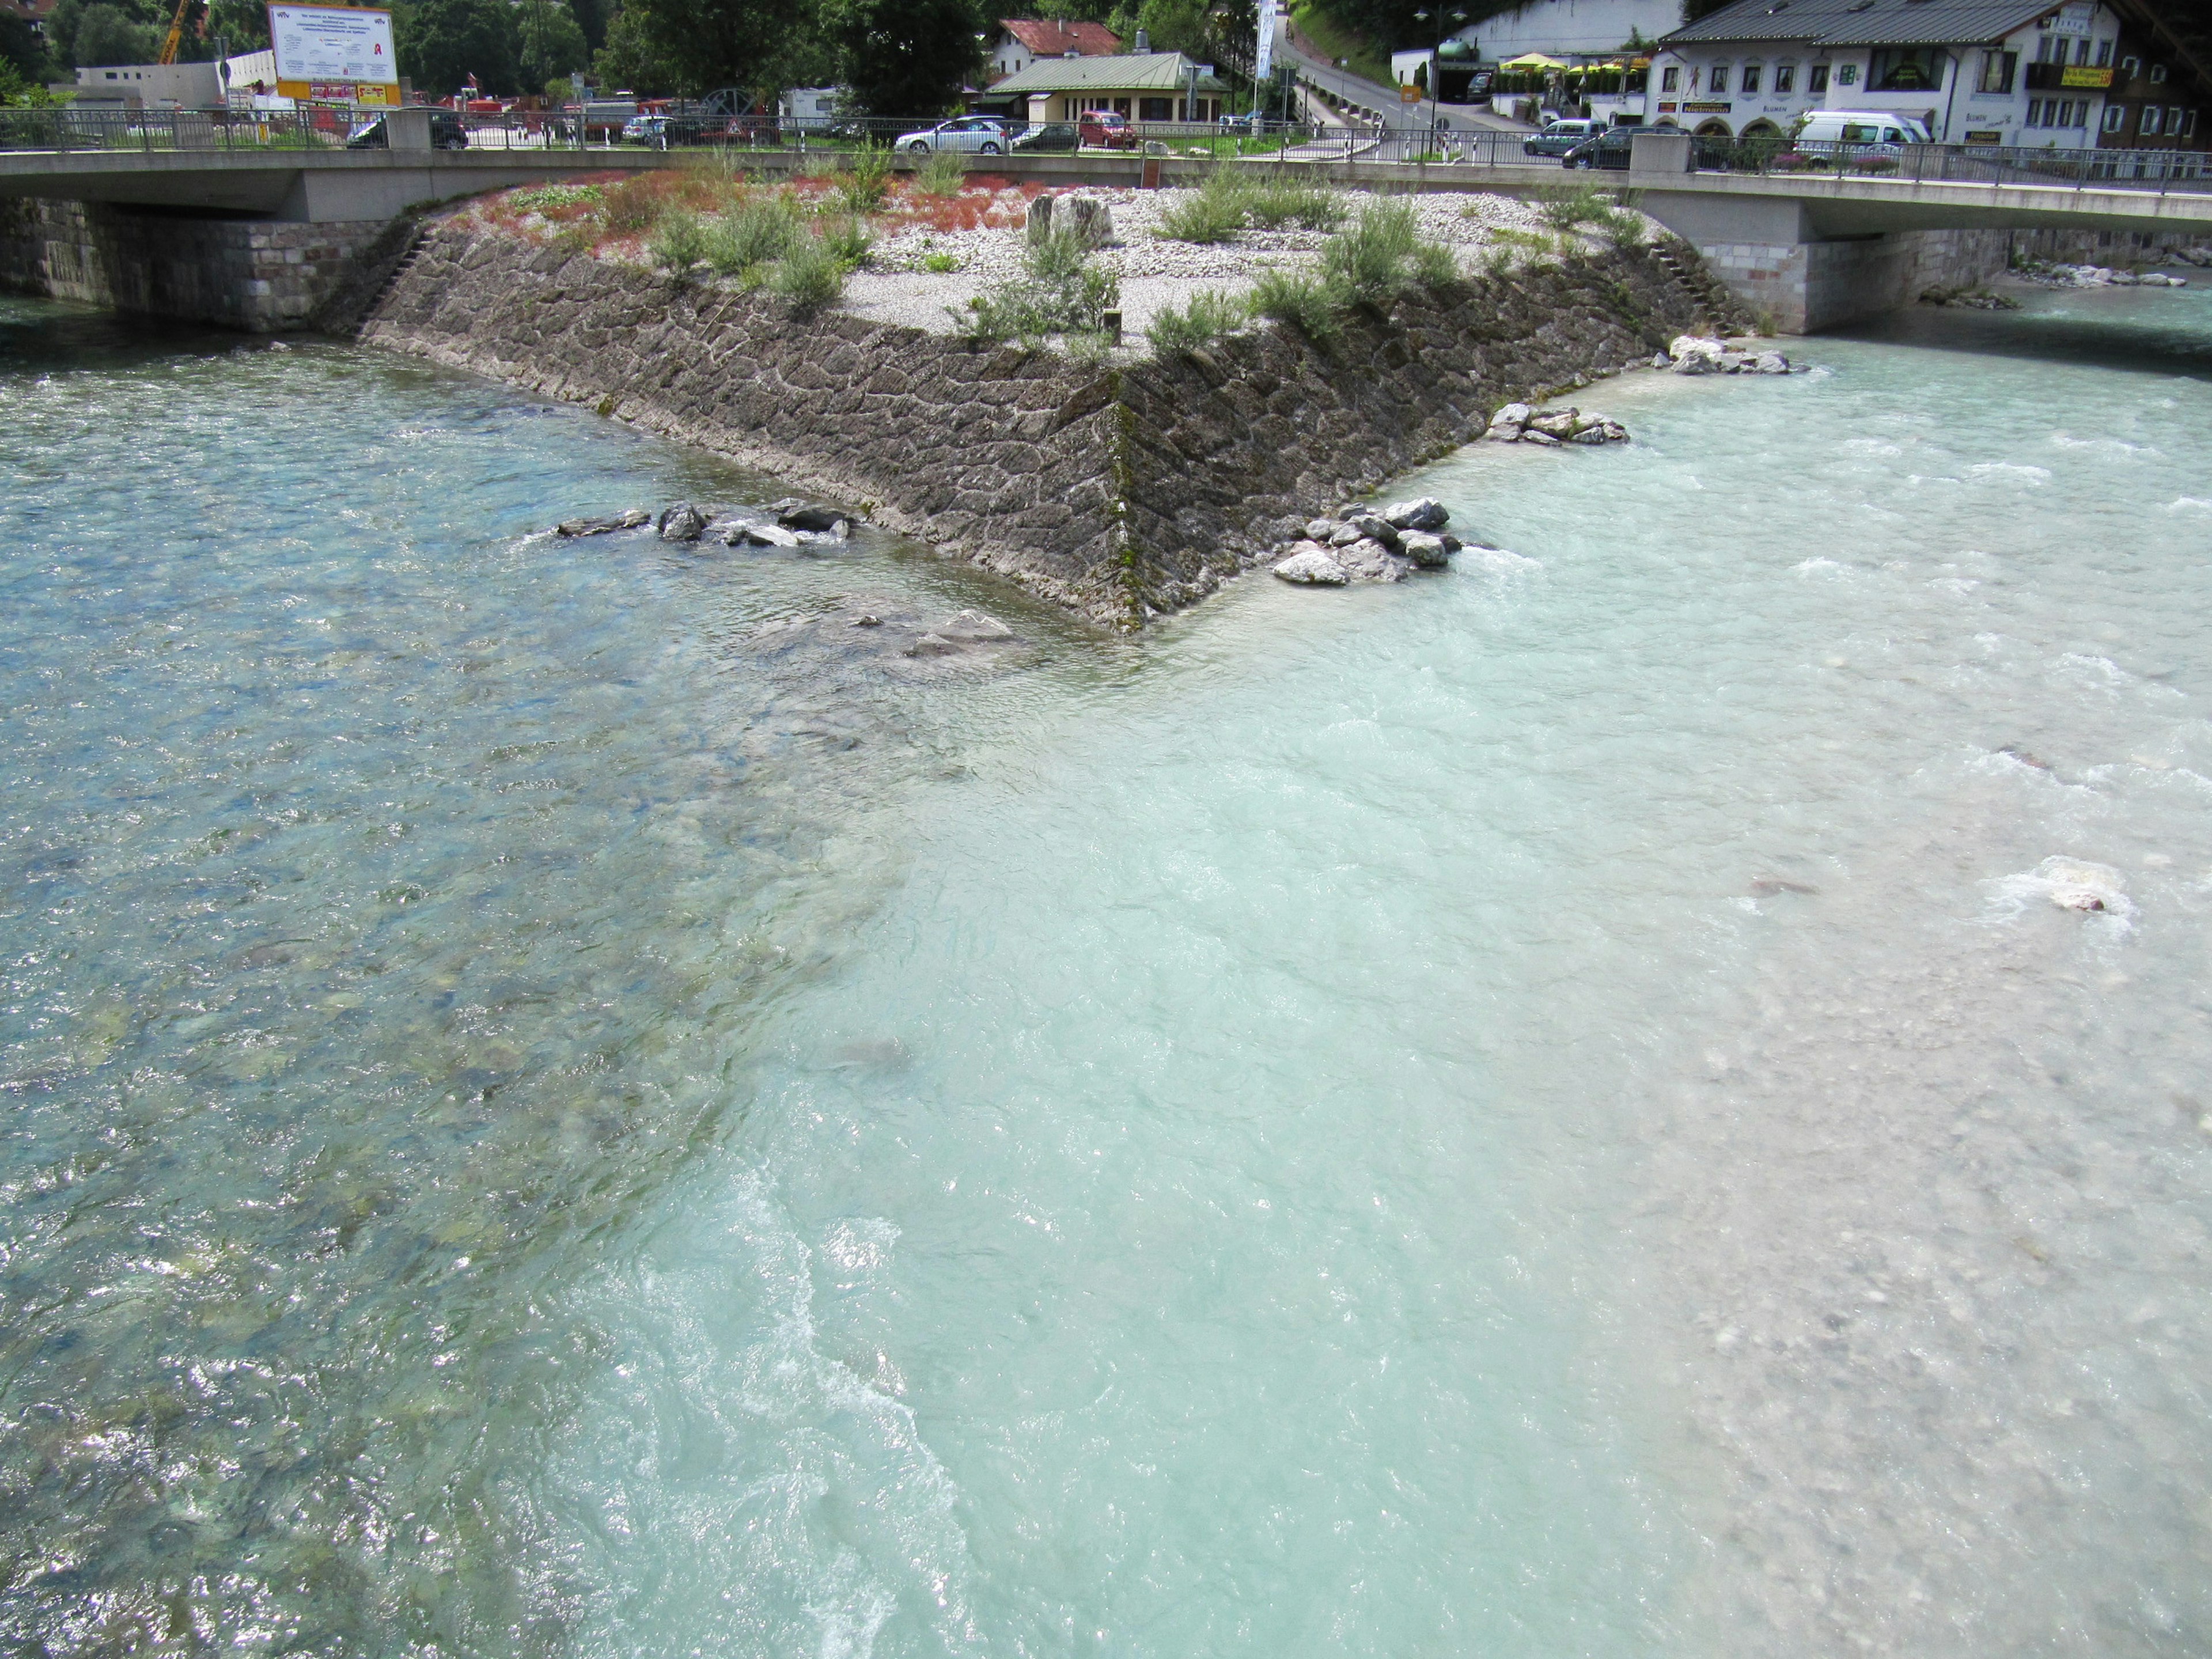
column 1147, row 71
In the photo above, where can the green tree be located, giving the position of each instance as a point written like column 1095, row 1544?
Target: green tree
column 242, row 25
column 1175, row 26
column 592, row 17
column 104, row 34
column 908, row 57
column 693, row 47
column 442, row 43
column 21, row 55
column 553, row 43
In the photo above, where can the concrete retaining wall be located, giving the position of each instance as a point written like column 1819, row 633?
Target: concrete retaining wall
column 258, row 275
column 1119, row 491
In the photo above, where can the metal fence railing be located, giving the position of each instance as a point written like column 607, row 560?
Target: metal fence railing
column 607, row 127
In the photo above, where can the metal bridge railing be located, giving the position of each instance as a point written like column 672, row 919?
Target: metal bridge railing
column 615, row 128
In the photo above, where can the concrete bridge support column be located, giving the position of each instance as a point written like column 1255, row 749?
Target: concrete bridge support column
column 1770, row 253
column 263, row 275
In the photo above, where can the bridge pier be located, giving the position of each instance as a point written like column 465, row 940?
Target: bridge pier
column 1770, row 253
column 261, row 276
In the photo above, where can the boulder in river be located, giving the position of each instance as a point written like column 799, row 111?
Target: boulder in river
column 1506, row 425
column 682, row 523
column 1425, row 513
column 1310, row 566
column 1375, row 527
column 770, row 535
column 1425, row 549
column 1370, row 561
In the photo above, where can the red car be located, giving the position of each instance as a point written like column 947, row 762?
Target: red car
column 1105, row 130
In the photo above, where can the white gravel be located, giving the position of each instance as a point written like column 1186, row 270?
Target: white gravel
column 1154, row 270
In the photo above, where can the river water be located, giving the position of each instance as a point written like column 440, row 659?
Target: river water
column 562, row 1099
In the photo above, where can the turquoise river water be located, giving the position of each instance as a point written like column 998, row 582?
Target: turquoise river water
column 562, row 1100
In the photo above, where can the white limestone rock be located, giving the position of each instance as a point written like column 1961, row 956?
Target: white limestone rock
column 1310, row 566
column 1371, row 561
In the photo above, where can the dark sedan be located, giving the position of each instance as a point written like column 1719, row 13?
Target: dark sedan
column 1053, row 135
column 447, row 132
column 1608, row 148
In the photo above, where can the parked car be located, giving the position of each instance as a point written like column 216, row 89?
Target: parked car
column 1608, row 148
column 972, row 135
column 447, row 132
column 1105, row 128
column 666, row 131
column 1054, row 134
column 1558, row 137
column 1861, row 127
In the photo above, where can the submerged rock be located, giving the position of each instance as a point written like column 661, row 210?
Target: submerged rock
column 635, row 518
column 933, row 645
column 811, row 515
column 974, row 625
column 1309, row 565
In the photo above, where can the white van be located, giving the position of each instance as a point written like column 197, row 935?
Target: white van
column 1860, row 126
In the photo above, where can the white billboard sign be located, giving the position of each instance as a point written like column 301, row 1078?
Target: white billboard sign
column 333, row 52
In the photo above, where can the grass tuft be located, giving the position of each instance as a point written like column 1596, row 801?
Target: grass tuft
column 1210, row 315
column 1297, row 300
column 808, row 275
column 867, row 186
column 1064, row 292
column 754, row 233
column 679, row 242
column 942, row 174
column 1213, row 212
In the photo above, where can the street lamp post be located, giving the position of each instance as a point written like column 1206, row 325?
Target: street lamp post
column 1444, row 21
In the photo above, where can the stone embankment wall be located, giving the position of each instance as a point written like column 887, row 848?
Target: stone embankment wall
column 259, row 274
column 1119, row 491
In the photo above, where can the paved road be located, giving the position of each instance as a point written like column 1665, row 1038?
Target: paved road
column 1396, row 115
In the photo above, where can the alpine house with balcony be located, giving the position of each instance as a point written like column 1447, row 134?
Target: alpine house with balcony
column 2015, row 72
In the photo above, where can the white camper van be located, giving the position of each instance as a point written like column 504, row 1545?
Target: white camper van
column 1860, row 126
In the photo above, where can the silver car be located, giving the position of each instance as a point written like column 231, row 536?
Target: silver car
column 973, row 135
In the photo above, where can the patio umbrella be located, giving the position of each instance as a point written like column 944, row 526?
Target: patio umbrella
column 1529, row 60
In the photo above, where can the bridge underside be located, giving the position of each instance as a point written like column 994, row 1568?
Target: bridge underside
column 1808, row 254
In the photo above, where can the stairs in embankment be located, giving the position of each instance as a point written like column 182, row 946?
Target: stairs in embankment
column 1724, row 312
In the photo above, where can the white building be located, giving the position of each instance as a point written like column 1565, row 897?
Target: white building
column 1572, row 28
column 149, row 86
column 178, row 86
column 1977, row 72
column 1022, row 41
